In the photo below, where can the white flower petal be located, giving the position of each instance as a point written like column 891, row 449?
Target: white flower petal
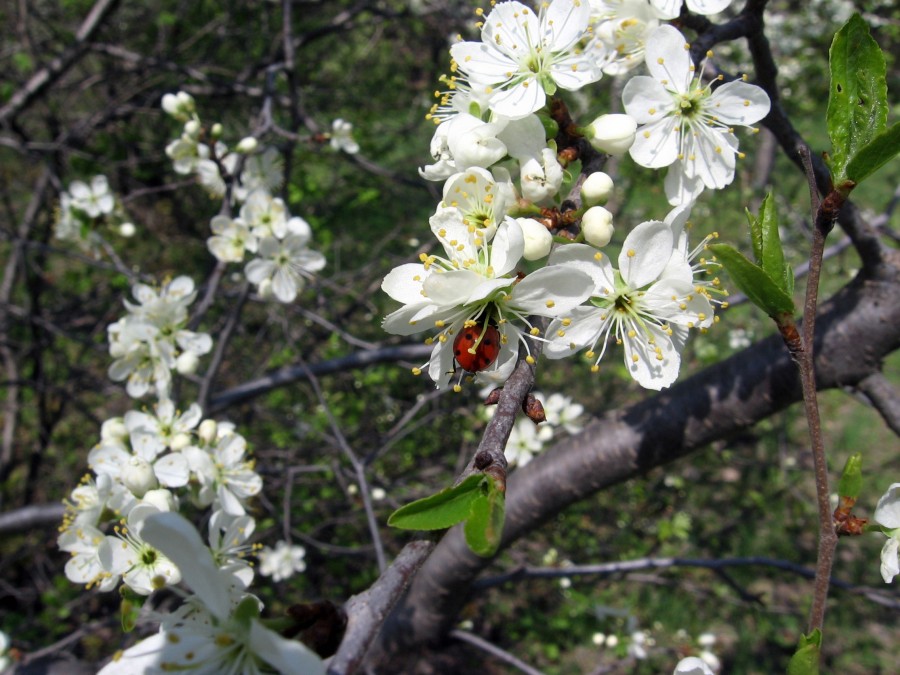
column 587, row 323
column 551, row 291
column 887, row 512
column 287, row 656
column 589, row 260
column 669, row 59
column 656, row 144
column 646, row 100
column 890, row 559
column 649, row 368
column 645, row 253
column 404, row 283
column 179, row 540
column 739, row 103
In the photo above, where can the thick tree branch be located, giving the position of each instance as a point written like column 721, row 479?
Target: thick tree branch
column 367, row 611
column 884, row 398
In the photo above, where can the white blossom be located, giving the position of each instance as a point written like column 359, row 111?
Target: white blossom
column 286, row 264
column 526, row 439
column 887, row 514
column 94, row 200
column 524, row 57
column 342, row 137
column 623, row 27
column 645, row 305
column 226, row 478
column 685, row 125
column 141, row 566
column 281, row 562
column 231, row 239
column 218, row 629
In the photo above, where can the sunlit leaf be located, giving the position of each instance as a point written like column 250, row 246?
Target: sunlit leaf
column 484, row 527
column 762, row 290
column 805, row 660
column 444, row 509
column 857, row 102
column 883, row 148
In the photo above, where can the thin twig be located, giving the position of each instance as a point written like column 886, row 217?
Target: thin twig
column 640, row 564
column 358, row 468
column 824, row 219
column 493, row 650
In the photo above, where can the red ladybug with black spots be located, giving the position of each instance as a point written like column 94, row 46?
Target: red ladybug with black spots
column 477, row 347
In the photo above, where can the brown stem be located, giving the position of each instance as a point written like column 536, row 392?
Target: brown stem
column 824, row 215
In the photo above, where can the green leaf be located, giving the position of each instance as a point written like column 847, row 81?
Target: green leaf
column 484, row 527
column 805, row 660
column 857, row 102
column 772, row 260
column 851, row 478
column 442, row 510
column 789, row 280
column 755, row 235
column 883, row 148
column 754, row 282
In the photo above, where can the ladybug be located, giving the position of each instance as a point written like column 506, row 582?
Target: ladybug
column 475, row 351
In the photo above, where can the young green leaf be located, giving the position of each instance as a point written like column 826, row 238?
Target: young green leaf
column 484, row 527
column 442, row 510
column 762, row 290
column 755, row 235
column 857, row 102
column 772, row 260
column 883, row 148
column 805, row 660
column 851, row 478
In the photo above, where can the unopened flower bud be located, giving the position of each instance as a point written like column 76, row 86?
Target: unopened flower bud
column 247, row 145
column 162, row 499
column 187, row 363
column 596, row 189
column 113, row 429
column 192, row 128
column 180, row 442
column 597, row 226
column 216, row 130
column 186, row 101
column 378, row 494
column 207, row 431
column 170, row 104
column 138, row 476
column 127, row 230
column 612, row 134
column 537, row 239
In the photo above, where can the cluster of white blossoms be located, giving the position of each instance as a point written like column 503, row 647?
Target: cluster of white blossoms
column 84, row 209
column 122, row 523
column 503, row 203
column 527, row 439
column 151, row 339
column 279, row 243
